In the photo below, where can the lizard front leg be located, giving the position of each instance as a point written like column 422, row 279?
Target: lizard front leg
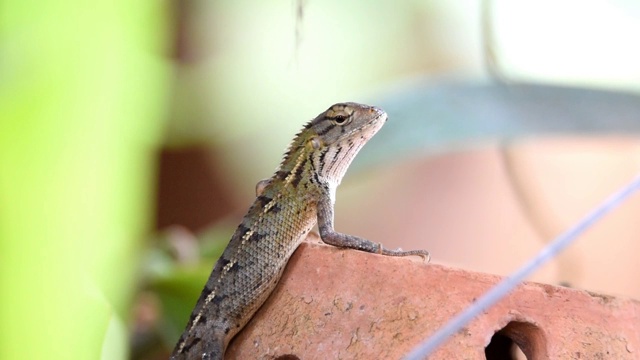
column 332, row 237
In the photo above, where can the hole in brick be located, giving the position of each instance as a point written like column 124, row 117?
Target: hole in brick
column 503, row 348
column 287, row 357
column 517, row 341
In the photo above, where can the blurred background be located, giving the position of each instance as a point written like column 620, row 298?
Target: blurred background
column 132, row 135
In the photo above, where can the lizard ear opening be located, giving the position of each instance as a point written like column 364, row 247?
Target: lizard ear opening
column 315, row 143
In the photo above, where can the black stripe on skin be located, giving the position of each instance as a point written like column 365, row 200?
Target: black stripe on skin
column 281, row 175
column 315, row 178
column 182, row 337
column 190, row 345
column 218, row 299
column 335, row 156
column 235, row 267
column 262, row 201
column 256, row 236
column 223, row 262
column 191, row 318
column 297, row 176
column 324, row 131
column 242, row 229
column 323, row 154
column 207, row 290
column 274, row 209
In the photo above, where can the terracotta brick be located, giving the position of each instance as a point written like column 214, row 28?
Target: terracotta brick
column 343, row 304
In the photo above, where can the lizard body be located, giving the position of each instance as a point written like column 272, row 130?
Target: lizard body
column 300, row 194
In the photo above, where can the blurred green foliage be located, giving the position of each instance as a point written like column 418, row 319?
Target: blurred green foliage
column 171, row 284
column 82, row 88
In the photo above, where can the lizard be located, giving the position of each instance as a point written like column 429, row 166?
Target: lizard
column 299, row 195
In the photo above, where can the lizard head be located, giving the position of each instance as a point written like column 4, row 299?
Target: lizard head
column 346, row 122
column 327, row 144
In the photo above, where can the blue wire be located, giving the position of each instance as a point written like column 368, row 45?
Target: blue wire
column 506, row 285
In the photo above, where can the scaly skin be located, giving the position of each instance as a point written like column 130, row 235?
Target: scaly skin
column 300, row 194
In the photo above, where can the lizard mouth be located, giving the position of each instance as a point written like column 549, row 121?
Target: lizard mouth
column 376, row 123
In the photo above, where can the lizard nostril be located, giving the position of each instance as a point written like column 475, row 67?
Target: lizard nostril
column 376, row 110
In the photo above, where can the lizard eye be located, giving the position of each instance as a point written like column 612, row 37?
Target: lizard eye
column 340, row 119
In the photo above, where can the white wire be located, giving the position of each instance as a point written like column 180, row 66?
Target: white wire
column 506, row 285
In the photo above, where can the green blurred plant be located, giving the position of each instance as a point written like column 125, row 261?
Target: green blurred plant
column 174, row 273
column 82, row 94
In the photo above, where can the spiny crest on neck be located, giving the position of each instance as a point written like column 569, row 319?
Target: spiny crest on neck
column 297, row 145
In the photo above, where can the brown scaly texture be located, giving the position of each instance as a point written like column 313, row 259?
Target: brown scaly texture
column 300, row 194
